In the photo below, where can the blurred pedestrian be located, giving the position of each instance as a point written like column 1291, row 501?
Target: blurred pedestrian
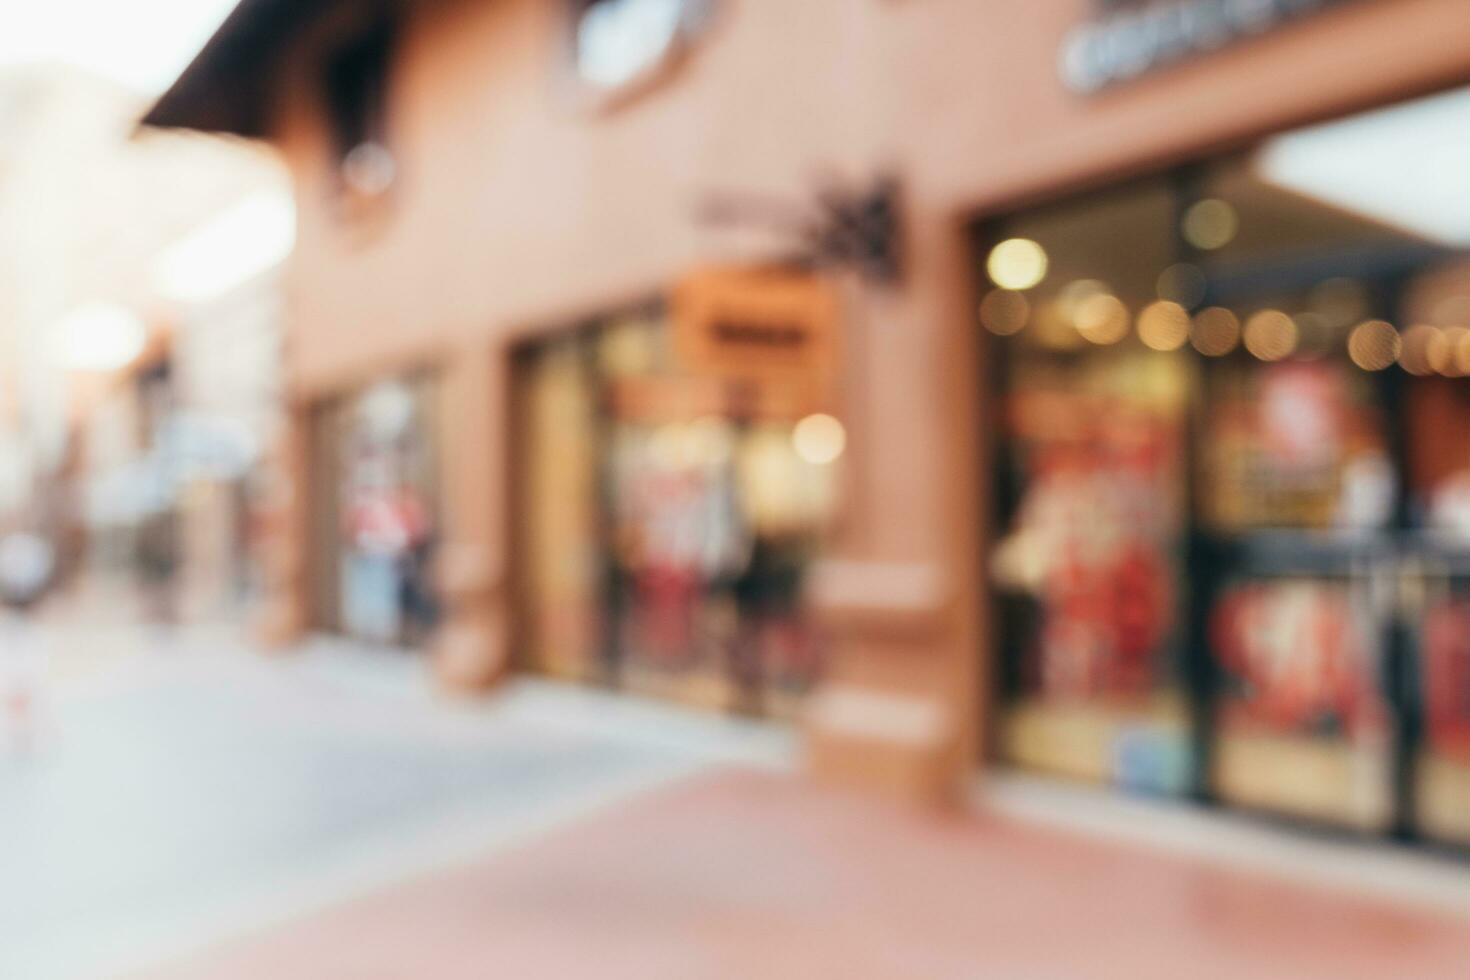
column 27, row 569
column 158, row 559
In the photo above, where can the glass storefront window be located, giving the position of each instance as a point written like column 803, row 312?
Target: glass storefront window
column 377, row 512
column 670, row 519
column 1095, row 493
column 1233, row 482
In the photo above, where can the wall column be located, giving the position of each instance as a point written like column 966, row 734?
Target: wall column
column 899, row 709
column 283, row 527
column 472, row 649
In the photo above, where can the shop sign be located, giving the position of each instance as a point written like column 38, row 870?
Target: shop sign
column 1129, row 38
column 760, row 326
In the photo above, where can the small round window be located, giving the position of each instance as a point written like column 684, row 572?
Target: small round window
column 616, row 43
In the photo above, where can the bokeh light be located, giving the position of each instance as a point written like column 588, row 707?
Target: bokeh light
column 1004, row 312
column 1271, row 335
column 819, row 439
column 1414, row 355
column 1341, row 300
column 1374, row 345
column 1216, row 331
column 1017, row 263
column 1462, row 353
column 1210, row 224
column 1102, row 319
column 1439, row 351
column 1315, row 335
column 1183, row 283
column 1444, row 353
column 1163, row 326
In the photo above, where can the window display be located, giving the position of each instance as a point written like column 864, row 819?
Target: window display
column 1232, row 483
column 1299, row 444
column 1302, row 723
column 670, row 521
column 377, row 513
column 1095, row 549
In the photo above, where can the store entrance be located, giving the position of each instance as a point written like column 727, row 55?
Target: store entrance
column 375, row 513
column 1233, row 486
column 666, row 521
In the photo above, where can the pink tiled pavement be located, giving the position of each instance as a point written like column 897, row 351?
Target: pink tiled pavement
column 741, row 875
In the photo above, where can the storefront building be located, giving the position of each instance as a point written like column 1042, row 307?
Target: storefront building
column 502, row 194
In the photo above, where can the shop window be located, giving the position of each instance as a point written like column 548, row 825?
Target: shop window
column 1233, row 489
column 356, row 82
column 376, row 512
column 667, row 520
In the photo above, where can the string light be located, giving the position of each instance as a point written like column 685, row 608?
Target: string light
column 1017, row 263
column 1216, row 332
column 1374, row 345
column 1271, row 335
column 1004, row 312
column 819, row 439
column 1102, row 319
column 1163, row 326
column 1210, row 224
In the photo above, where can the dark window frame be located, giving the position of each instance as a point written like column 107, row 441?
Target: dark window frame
column 356, row 79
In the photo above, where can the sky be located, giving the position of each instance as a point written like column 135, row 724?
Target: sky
column 143, row 44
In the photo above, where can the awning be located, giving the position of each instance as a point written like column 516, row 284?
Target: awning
column 231, row 85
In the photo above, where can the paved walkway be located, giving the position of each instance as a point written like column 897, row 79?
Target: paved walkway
column 193, row 789
column 741, row 875
column 199, row 811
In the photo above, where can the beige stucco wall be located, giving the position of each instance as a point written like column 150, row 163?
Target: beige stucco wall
column 516, row 208
column 517, row 212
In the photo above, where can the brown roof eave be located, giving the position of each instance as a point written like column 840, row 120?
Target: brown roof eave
column 231, row 84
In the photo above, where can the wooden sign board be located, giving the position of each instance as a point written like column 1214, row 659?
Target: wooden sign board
column 765, row 327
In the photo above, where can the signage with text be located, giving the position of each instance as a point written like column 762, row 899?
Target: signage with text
column 763, row 326
column 1129, row 38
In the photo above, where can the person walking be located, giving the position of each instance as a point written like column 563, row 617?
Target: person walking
column 27, row 569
